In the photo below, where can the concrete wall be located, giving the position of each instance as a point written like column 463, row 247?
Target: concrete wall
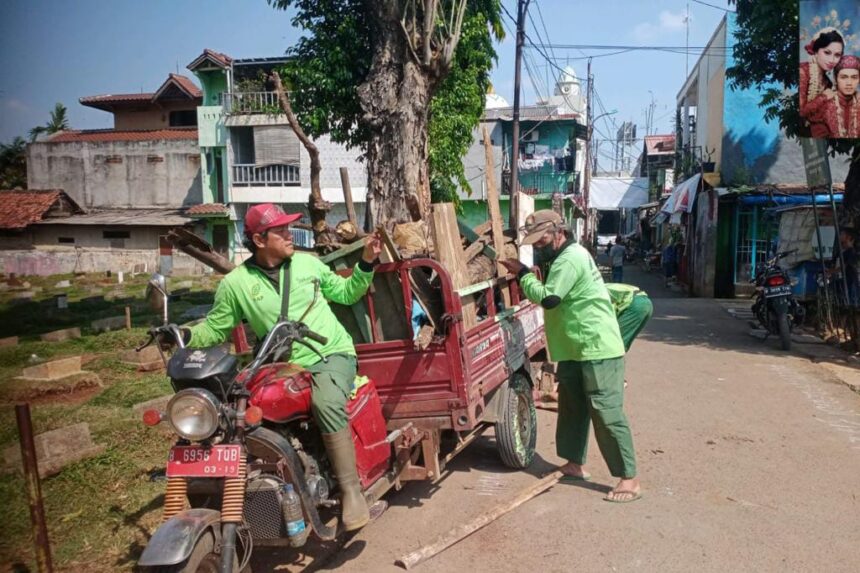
column 704, row 248
column 474, row 162
column 43, row 262
column 119, row 174
column 149, row 118
column 333, row 156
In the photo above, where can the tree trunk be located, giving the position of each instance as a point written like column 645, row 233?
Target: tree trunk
column 395, row 100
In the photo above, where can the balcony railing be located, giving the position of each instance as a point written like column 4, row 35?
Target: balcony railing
column 250, row 102
column 302, row 237
column 266, row 176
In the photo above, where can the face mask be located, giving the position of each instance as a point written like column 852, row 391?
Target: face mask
column 545, row 254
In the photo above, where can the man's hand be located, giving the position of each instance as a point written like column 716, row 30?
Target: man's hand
column 372, row 248
column 513, row 265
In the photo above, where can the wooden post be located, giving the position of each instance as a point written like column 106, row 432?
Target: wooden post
column 462, row 531
column 128, row 318
column 495, row 213
column 34, row 488
column 449, row 252
column 526, row 206
column 347, row 196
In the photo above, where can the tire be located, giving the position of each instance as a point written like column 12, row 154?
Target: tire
column 516, row 431
column 202, row 560
column 784, row 331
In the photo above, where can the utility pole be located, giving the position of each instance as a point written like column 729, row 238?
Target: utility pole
column 522, row 6
column 587, row 178
column 687, row 45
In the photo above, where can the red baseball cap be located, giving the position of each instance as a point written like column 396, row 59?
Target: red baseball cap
column 265, row 216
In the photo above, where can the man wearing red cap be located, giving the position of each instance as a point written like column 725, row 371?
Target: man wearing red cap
column 253, row 291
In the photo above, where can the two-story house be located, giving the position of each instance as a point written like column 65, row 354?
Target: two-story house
column 552, row 144
column 250, row 155
column 733, row 167
column 130, row 185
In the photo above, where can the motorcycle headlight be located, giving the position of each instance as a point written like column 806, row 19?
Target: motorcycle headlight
column 193, row 413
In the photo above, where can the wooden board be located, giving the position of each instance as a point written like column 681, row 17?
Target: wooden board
column 495, row 213
column 449, row 252
column 525, row 207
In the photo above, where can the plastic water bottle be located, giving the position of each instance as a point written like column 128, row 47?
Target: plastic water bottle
column 292, row 508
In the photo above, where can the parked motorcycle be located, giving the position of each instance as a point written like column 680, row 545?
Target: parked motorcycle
column 775, row 306
column 237, row 474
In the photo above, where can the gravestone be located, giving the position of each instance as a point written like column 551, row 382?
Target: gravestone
column 61, row 335
column 53, row 370
column 108, row 324
column 183, row 285
column 9, row 341
column 56, row 449
column 63, row 284
column 159, row 404
column 146, row 360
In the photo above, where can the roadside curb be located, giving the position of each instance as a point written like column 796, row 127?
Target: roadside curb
column 841, row 365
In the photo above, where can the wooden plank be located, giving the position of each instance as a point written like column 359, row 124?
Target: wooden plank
column 449, row 252
column 473, row 237
column 495, row 213
column 462, row 531
column 493, row 200
column 525, row 207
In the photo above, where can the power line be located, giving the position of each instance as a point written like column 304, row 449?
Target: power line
column 628, row 47
column 712, row 6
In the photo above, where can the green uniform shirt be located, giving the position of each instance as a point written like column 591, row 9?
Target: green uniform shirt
column 622, row 295
column 582, row 326
column 246, row 292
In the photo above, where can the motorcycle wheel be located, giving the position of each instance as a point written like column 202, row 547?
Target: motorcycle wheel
column 202, row 560
column 784, row 331
column 516, row 431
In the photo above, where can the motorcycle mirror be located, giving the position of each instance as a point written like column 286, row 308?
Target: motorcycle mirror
column 156, row 294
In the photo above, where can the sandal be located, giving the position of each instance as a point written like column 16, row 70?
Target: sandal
column 636, row 495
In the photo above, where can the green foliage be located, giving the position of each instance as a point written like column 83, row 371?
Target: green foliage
column 13, row 164
column 59, row 122
column 332, row 59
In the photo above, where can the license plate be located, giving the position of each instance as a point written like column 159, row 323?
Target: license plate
column 781, row 290
column 200, row 461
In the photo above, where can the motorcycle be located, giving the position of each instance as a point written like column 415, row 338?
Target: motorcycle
column 775, row 306
column 246, row 438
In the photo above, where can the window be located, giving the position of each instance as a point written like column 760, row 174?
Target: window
column 183, row 118
column 116, row 234
column 66, row 240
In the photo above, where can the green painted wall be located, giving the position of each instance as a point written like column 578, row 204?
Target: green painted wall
column 556, row 135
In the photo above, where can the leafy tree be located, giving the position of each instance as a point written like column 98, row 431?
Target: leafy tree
column 13, row 164
column 59, row 122
column 766, row 57
column 402, row 81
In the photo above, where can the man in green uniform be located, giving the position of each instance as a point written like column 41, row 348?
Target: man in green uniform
column 633, row 309
column 583, row 337
column 253, row 291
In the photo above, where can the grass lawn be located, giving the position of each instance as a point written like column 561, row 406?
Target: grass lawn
column 100, row 511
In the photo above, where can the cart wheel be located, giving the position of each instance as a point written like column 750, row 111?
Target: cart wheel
column 516, row 431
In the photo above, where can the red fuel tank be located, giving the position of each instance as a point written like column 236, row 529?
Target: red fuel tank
column 283, row 392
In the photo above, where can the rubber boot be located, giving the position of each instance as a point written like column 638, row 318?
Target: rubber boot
column 341, row 452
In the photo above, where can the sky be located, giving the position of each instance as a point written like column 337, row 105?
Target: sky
column 60, row 51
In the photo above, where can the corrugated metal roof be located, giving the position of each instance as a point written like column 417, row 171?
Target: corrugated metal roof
column 101, row 135
column 122, row 217
column 659, row 144
column 529, row 112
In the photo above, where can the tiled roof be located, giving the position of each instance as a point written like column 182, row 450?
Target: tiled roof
column 116, row 98
column 207, row 209
column 101, row 135
column 106, row 101
column 19, row 209
column 659, row 144
column 219, row 59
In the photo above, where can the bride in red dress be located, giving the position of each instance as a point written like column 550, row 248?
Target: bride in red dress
column 836, row 112
column 825, row 49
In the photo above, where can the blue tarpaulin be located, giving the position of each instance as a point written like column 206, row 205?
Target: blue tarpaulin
column 820, row 199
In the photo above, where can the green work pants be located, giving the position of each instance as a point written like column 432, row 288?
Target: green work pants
column 594, row 391
column 332, row 385
column 632, row 319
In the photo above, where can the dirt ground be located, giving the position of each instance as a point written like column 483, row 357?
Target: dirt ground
column 748, row 457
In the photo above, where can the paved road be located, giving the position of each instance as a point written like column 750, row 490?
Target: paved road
column 749, row 459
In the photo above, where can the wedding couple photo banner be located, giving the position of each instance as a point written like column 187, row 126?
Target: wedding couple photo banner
column 830, row 67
